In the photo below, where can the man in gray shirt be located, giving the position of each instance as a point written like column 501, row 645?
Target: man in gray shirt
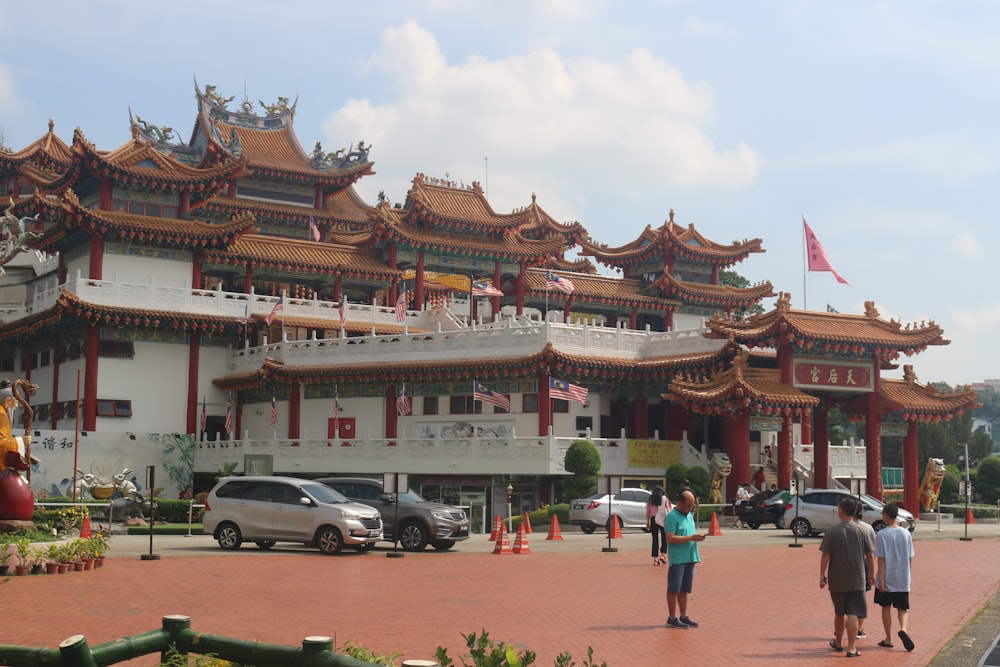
column 845, row 548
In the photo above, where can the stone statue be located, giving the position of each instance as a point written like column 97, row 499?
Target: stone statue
column 14, row 234
column 17, row 502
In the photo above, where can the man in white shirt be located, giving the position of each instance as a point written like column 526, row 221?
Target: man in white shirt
column 893, row 552
column 742, row 495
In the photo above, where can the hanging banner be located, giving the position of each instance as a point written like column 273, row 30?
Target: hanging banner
column 653, row 453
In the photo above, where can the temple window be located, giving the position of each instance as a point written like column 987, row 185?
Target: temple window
column 529, row 403
column 464, row 405
column 114, row 408
column 430, row 405
column 122, row 349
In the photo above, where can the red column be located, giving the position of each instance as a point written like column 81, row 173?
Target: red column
column 105, row 194
column 95, row 269
column 90, row 381
column 786, row 461
column 520, row 292
column 418, row 289
column 294, row 410
column 196, row 270
column 184, row 205
column 911, row 471
column 544, row 405
column 567, row 309
column 806, row 421
column 678, row 421
column 633, row 318
column 393, row 264
column 821, row 449
column 391, row 418
column 248, row 278
column 495, row 301
column 231, row 189
column 194, row 351
column 640, row 416
column 668, row 320
column 318, row 198
column 740, row 454
column 873, row 441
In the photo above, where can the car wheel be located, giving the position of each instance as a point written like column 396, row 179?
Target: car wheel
column 329, row 540
column 229, row 536
column 780, row 523
column 588, row 528
column 413, row 536
column 364, row 548
column 607, row 526
column 443, row 545
column 754, row 524
column 801, row 527
column 878, row 525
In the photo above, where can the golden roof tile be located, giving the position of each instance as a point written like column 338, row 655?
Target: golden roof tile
column 292, row 254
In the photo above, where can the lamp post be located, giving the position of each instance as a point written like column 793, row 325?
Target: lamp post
column 968, row 492
column 510, row 497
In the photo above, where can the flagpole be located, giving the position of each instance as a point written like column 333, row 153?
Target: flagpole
column 805, row 259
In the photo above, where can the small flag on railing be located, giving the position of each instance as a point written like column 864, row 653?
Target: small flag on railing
column 566, row 391
column 481, row 393
column 401, row 305
column 278, row 307
column 204, row 415
column 274, row 411
column 403, row 403
column 342, row 310
column 560, row 283
column 313, row 228
column 229, row 414
column 484, row 289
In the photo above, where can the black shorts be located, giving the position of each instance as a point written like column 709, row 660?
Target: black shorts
column 899, row 600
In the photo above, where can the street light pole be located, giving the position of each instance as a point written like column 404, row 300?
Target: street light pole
column 510, row 493
column 967, row 494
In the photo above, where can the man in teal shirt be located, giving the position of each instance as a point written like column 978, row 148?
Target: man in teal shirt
column 682, row 549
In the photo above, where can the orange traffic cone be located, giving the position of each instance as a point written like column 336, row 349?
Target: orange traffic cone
column 969, row 517
column 527, row 524
column 85, row 529
column 554, row 532
column 713, row 526
column 616, row 527
column 521, row 542
column 497, row 522
column 503, row 544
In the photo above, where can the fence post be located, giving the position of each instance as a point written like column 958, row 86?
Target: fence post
column 76, row 653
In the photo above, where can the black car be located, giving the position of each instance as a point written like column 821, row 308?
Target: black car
column 765, row 507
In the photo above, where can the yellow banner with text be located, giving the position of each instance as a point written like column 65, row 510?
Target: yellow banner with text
column 653, row 453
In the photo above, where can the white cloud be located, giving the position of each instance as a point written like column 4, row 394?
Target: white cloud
column 9, row 100
column 552, row 124
column 965, row 244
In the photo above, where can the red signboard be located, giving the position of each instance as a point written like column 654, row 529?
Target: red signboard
column 833, row 374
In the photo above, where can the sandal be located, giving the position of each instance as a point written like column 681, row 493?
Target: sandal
column 885, row 644
column 656, row 561
column 833, row 645
column 855, row 654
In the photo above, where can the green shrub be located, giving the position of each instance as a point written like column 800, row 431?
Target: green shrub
column 698, row 477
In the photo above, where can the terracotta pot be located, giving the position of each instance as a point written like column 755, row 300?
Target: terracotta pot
column 78, row 565
column 88, row 564
column 51, row 568
column 21, row 570
column 64, row 568
column 99, row 561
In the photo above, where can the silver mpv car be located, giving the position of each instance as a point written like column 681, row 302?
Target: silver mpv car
column 267, row 510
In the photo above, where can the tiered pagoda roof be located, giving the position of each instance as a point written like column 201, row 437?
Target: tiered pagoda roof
column 759, row 390
column 43, row 161
column 705, row 295
column 655, row 246
column 838, row 334
column 66, row 216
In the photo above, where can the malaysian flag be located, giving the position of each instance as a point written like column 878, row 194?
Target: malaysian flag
column 566, row 391
column 204, row 415
column 336, row 406
column 313, row 228
column 274, row 411
column 401, row 305
column 481, row 393
column 403, row 403
column 560, row 283
column 342, row 310
column 229, row 414
column 484, row 289
column 278, row 307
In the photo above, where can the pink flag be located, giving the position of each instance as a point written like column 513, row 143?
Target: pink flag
column 313, row 228
column 818, row 260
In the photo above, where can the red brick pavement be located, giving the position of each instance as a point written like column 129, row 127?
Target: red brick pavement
column 758, row 605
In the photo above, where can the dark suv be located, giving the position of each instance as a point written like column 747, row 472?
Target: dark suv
column 421, row 522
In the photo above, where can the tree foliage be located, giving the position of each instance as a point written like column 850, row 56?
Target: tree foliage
column 733, row 279
column 584, row 461
column 987, row 485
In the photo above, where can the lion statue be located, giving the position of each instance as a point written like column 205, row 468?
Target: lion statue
column 930, row 488
column 720, row 467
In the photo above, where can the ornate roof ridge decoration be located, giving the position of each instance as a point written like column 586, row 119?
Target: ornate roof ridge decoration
column 67, row 215
column 719, row 295
column 671, row 239
column 299, row 256
column 386, row 224
column 269, row 143
column 48, row 155
column 741, row 386
column 829, row 334
column 593, row 288
column 578, row 265
column 332, row 217
column 907, row 400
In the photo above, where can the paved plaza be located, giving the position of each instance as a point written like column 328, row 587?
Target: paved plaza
column 757, row 599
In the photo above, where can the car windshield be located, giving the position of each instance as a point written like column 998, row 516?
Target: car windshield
column 324, row 493
column 410, row 496
column 873, row 502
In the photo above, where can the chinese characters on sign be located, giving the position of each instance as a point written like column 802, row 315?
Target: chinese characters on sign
column 653, row 453
column 820, row 373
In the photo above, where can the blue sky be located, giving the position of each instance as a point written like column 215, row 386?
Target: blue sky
column 877, row 121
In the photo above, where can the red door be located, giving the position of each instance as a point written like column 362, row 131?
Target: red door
column 344, row 426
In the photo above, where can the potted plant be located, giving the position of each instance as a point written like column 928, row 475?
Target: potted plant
column 24, row 556
column 52, row 556
column 99, row 545
column 5, row 555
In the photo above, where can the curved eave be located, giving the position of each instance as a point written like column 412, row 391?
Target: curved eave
column 746, row 388
column 593, row 289
column 513, row 248
column 914, row 402
column 325, row 219
column 724, row 296
column 149, row 319
column 298, row 256
column 48, row 152
column 579, row 265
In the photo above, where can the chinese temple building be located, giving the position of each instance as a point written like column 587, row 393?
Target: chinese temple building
column 234, row 289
